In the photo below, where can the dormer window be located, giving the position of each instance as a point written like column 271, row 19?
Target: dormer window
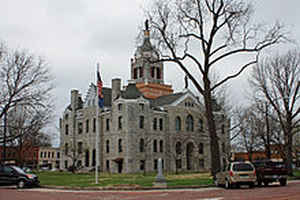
column 120, row 107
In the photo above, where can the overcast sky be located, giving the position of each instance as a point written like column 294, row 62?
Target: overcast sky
column 73, row 35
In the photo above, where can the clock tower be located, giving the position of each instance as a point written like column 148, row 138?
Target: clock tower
column 145, row 72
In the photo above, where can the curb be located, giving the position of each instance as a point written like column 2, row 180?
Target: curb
column 124, row 188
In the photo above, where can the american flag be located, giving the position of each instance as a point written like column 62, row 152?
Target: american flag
column 99, row 87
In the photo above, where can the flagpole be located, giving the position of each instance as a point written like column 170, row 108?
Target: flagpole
column 97, row 129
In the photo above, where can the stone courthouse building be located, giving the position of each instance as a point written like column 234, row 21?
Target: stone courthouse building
column 139, row 124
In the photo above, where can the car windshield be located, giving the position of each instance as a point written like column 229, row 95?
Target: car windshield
column 242, row 167
column 18, row 169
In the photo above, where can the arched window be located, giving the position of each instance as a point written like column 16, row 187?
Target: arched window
column 161, row 146
column 200, row 148
column 178, row 148
column 154, row 146
column 142, row 143
column 178, row 123
column 107, row 146
column 189, row 123
column 120, row 145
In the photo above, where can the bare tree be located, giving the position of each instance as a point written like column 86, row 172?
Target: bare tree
column 202, row 33
column 276, row 81
column 249, row 128
column 25, row 83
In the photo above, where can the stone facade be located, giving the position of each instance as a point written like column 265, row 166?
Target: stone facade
column 136, row 129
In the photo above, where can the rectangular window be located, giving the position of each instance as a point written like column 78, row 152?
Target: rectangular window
column 79, row 147
column 41, row 154
column 155, row 164
column 94, row 125
column 79, row 128
column 67, row 129
column 161, row 124
column 142, row 122
column 66, row 149
column 57, row 155
column 66, row 164
column 107, row 124
column 154, row 123
column 178, row 164
column 155, row 146
column 48, row 154
column 120, row 122
column 107, row 165
column 87, row 122
column 120, row 146
column 142, row 164
column 52, row 154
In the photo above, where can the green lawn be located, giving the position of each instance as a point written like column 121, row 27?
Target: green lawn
column 88, row 179
column 108, row 180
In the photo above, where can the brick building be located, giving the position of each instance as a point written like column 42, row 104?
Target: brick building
column 140, row 123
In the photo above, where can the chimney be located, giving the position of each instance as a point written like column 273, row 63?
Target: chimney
column 74, row 99
column 116, row 89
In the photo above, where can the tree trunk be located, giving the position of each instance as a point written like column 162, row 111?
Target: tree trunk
column 288, row 153
column 214, row 144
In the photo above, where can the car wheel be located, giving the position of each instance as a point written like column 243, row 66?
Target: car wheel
column 282, row 182
column 266, row 183
column 21, row 184
column 227, row 184
column 251, row 185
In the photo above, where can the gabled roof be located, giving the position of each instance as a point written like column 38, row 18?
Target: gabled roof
column 167, row 99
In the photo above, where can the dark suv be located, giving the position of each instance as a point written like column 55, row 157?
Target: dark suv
column 13, row 175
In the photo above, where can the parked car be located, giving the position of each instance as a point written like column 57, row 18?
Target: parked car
column 268, row 171
column 13, row 175
column 236, row 174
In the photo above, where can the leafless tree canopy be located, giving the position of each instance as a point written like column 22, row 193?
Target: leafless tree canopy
column 202, row 33
column 206, row 32
column 25, row 97
column 276, row 81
